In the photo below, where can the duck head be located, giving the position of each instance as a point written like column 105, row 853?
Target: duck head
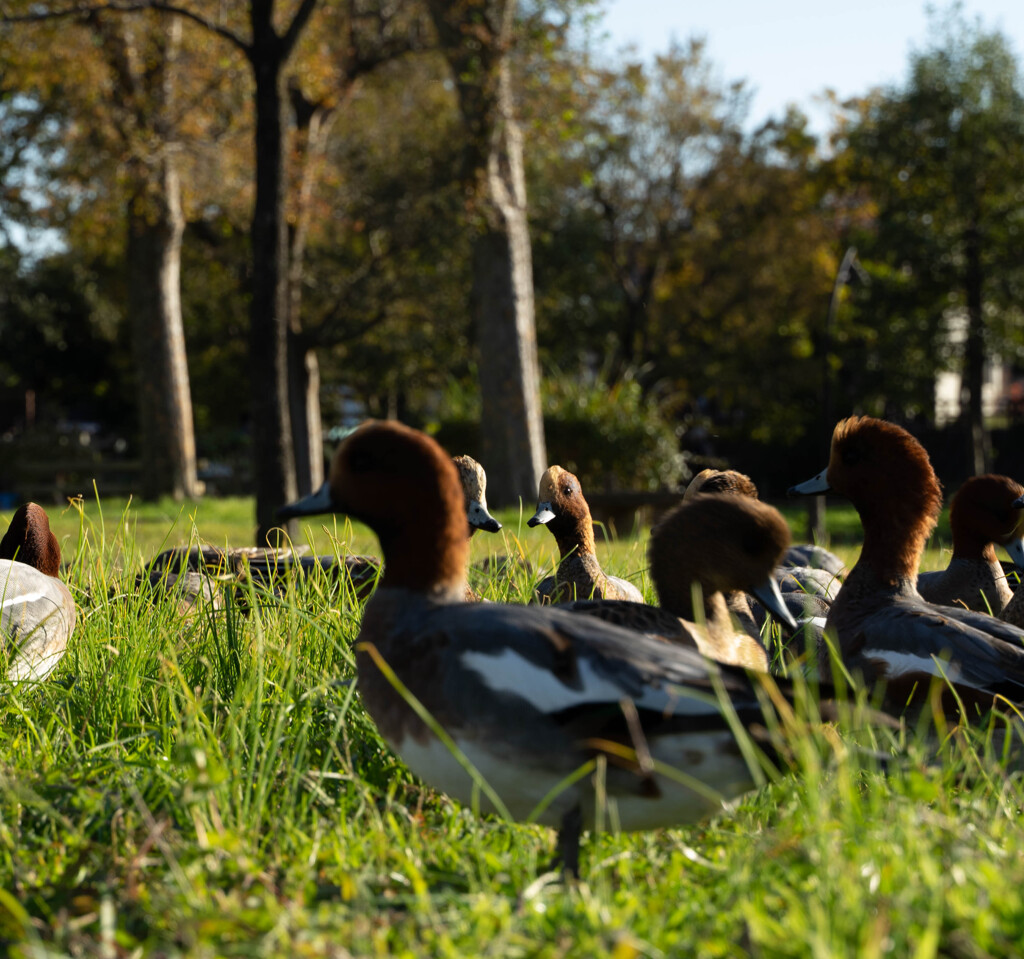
column 724, row 542
column 982, row 513
column 474, row 489
column 562, row 508
column 886, row 474
column 401, row 484
column 721, row 481
column 29, row 540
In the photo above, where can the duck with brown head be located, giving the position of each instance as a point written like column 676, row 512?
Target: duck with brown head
column 527, row 694
column 701, row 553
column 885, row 630
column 562, row 508
column 363, row 571
column 38, row 612
column 981, row 516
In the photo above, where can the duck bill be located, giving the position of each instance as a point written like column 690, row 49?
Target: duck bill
column 542, row 517
column 315, row 503
column 480, row 518
column 1016, row 550
column 1018, row 503
column 818, row 484
column 770, row 597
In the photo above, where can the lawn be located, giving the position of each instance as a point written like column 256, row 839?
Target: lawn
column 212, row 787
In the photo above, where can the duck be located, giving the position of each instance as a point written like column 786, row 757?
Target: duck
column 885, row 630
column 1013, row 611
column 721, row 544
column 38, row 611
column 473, row 480
column 363, row 572
column 808, row 576
column 509, row 706
column 981, row 516
column 806, row 567
column 562, row 508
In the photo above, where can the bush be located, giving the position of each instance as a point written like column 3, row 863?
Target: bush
column 611, row 437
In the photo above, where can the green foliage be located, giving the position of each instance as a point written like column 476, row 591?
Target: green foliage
column 611, row 435
column 938, row 160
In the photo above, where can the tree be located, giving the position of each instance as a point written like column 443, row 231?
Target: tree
column 476, row 38
column 652, row 141
column 132, row 143
column 941, row 158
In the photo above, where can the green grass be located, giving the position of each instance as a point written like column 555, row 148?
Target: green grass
column 213, row 787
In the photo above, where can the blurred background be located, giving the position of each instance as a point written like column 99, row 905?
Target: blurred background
column 622, row 237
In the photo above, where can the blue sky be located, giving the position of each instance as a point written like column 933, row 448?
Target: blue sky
column 791, row 50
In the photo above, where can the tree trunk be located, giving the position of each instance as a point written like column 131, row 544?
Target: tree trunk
column 313, row 122
column 974, row 356
column 475, row 39
column 155, row 229
column 304, row 409
column 273, row 458
column 511, row 418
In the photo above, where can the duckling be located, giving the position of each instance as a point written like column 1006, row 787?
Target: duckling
column 886, row 632
column 981, row 515
column 562, row 508
column 38, row 612
column 526, row 696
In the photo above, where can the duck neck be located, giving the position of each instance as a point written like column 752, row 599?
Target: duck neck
column 574, row 536
column 29, row 540
column 428, row 558
column 893, row 544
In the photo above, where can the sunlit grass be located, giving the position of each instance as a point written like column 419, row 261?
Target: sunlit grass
column 212, row 786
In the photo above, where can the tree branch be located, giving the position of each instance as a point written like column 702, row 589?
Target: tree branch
column 296, row 27
column 87, row 9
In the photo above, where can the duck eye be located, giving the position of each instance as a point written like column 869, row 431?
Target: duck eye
column 567, row 491
column 851, row 457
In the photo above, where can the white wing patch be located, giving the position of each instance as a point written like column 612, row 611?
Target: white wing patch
column 898, row 663
column 22, row 599
column 506, row 671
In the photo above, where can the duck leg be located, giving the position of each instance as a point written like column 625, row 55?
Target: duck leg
column 567, row 856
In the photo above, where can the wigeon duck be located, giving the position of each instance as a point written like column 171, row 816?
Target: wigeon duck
column 805, row 568
column 562, row 508
column 38, row 613
column 720, row 544
column 508, row 704
column 364, row 571
column 808, row 576
column 981, row 516
column 474, row 491
column 885, row 630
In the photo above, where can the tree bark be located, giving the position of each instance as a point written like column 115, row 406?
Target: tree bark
column 273, row 457
column 156, row 225
column 312, row 122
column 155, row 229
column 475, row 37
column 503, row 307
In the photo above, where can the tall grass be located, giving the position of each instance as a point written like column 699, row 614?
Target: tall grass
column 211, row 786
